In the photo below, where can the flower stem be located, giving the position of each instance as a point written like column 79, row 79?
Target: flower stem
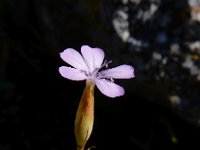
column 85, row 116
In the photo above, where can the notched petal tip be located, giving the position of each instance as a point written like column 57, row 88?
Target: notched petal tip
column 85, row 47
column 131, row 70
column 63, row 53
column 121, row 93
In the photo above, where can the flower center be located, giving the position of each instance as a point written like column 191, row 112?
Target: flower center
column 95, row 73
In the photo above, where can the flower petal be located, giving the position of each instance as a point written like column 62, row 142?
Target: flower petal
column 108, row 88
column 93, row 57
column 120, row 72
column 72, row 73
column 74, row 58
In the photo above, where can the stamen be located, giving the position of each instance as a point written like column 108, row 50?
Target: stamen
column 108, row 63
column 107, row 78
column 111, row 79
column 105, row 64
column 95, row 72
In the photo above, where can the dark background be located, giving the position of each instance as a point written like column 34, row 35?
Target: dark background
column 160, row 38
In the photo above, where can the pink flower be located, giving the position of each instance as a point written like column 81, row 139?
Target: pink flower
column 88, row 66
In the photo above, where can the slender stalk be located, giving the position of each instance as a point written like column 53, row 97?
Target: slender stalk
column 85, row 116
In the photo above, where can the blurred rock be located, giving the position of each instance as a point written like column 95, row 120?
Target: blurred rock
column 163, row 36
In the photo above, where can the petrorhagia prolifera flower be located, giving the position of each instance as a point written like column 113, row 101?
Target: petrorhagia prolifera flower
column 89, row 66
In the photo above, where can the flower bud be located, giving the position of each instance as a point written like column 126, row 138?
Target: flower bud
column 85, row 116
